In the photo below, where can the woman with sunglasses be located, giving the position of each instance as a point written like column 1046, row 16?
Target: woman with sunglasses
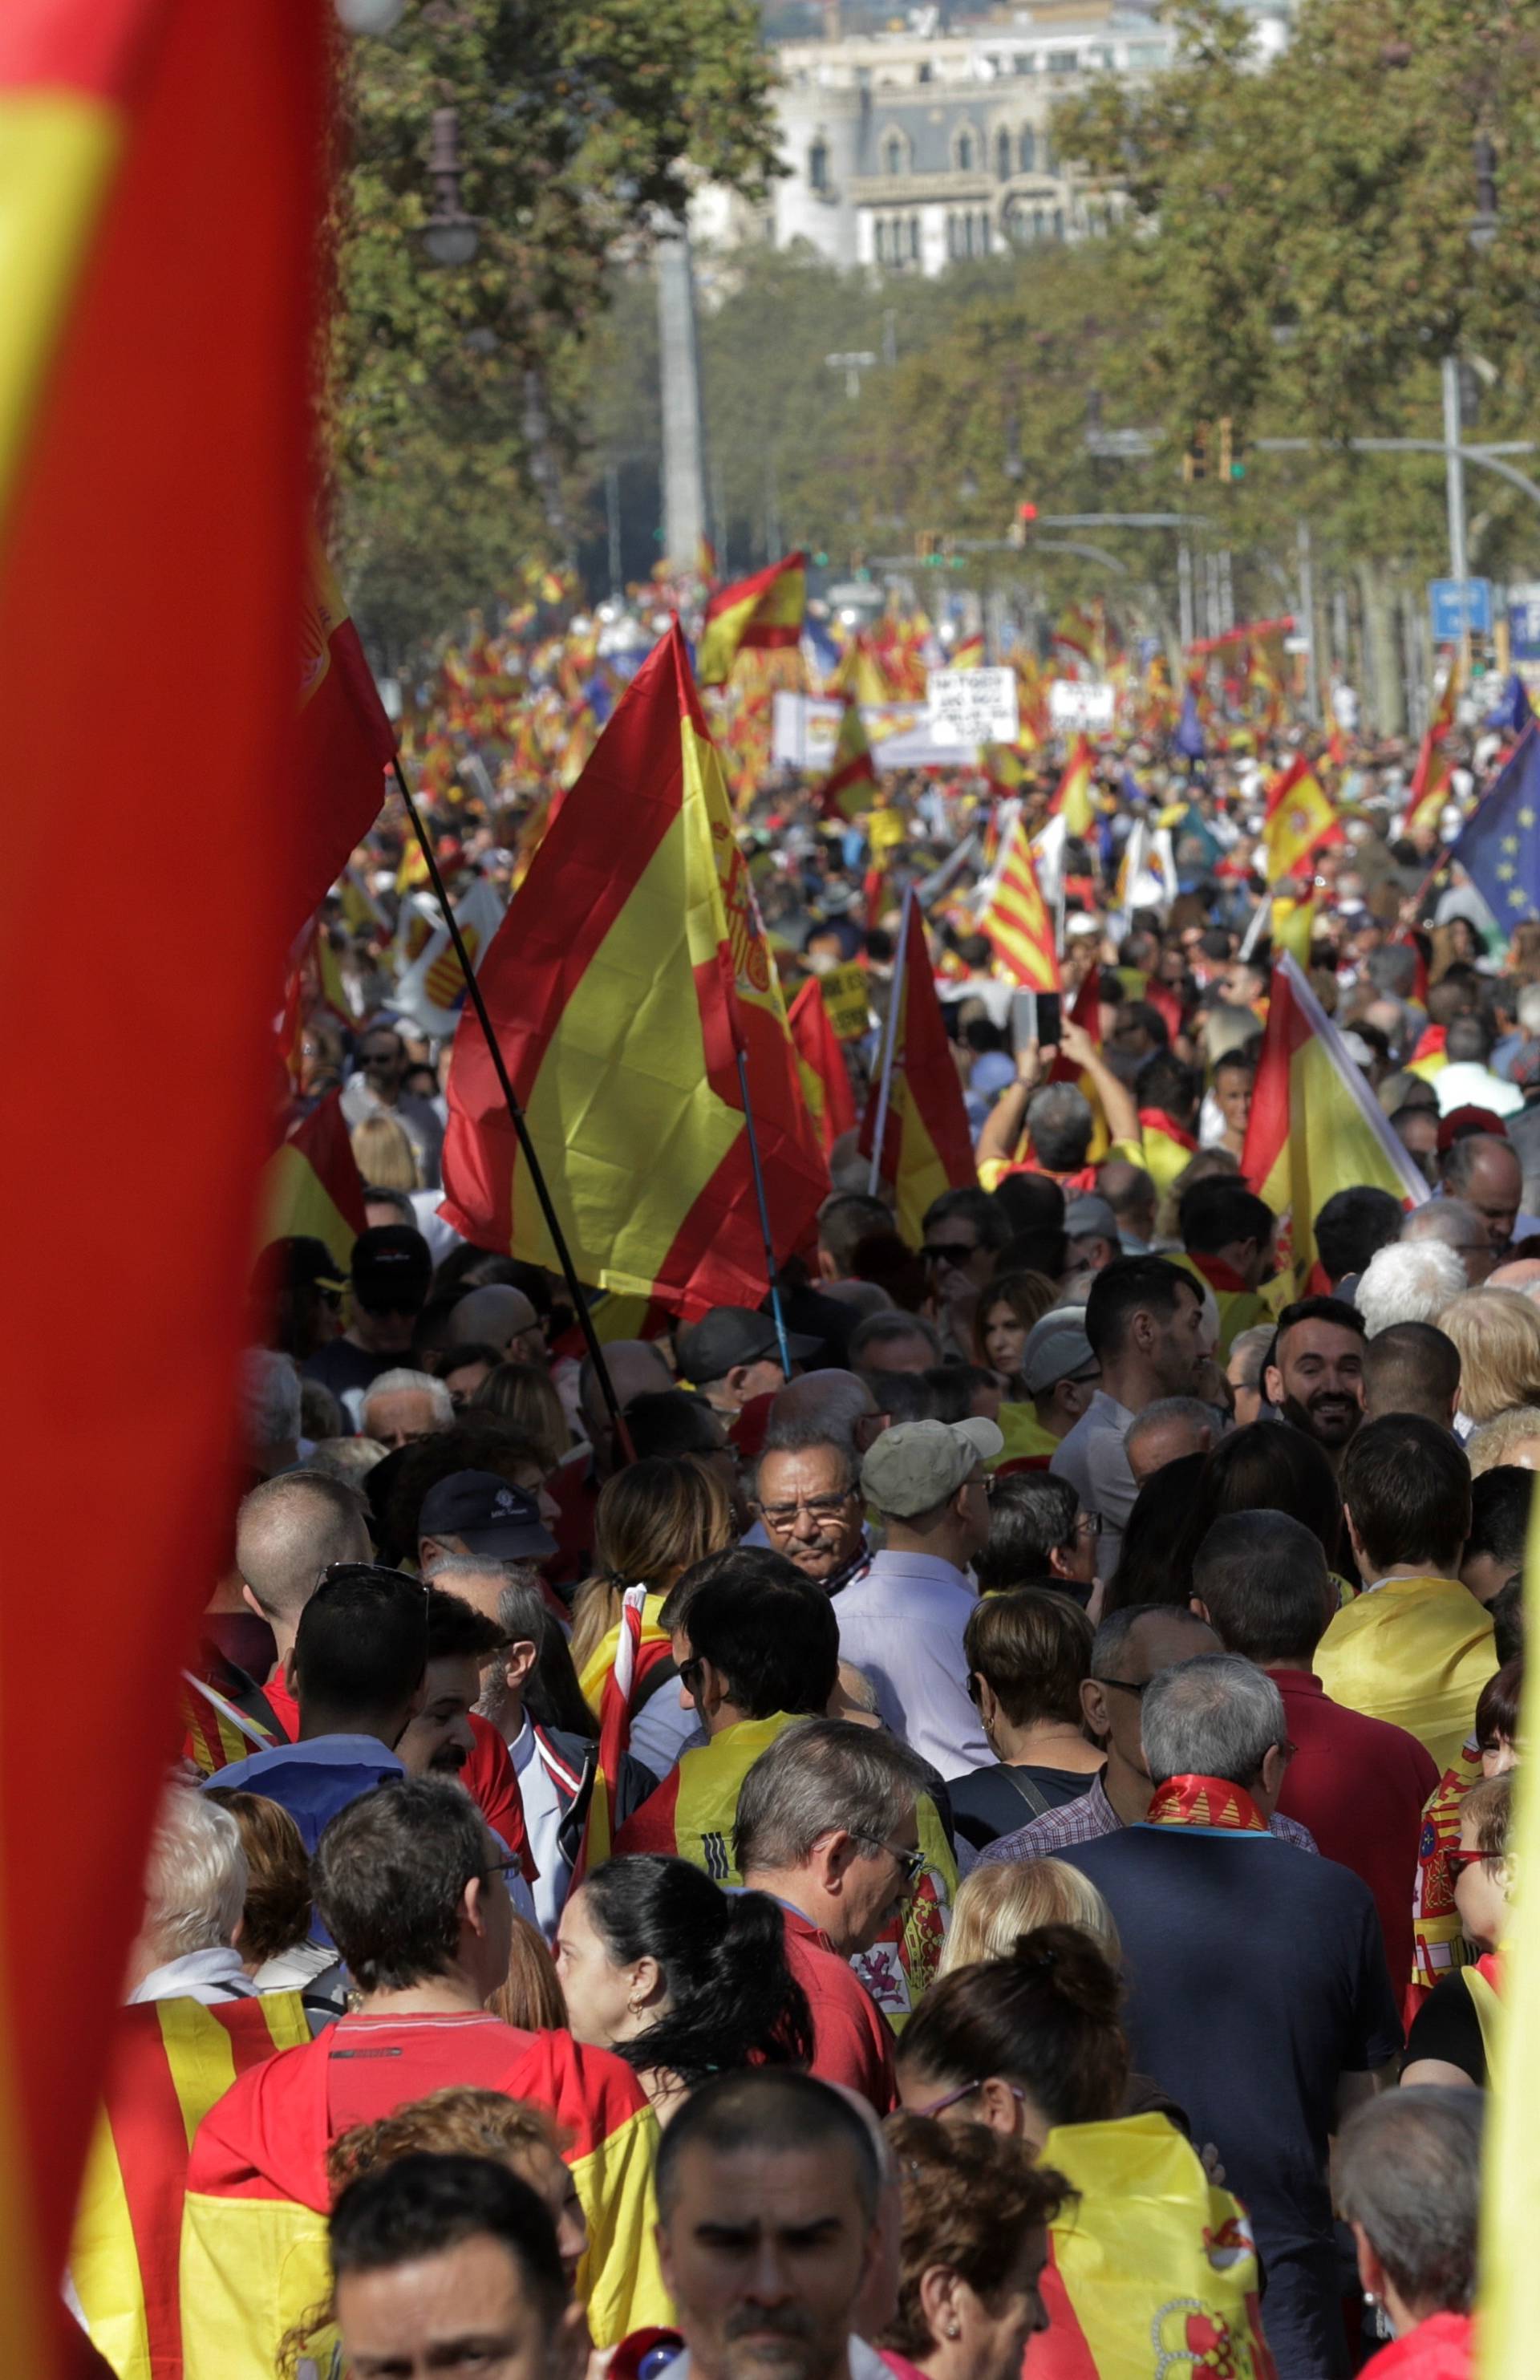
column 677, row 1978
column 1031, row 2045
column 1454, row 2030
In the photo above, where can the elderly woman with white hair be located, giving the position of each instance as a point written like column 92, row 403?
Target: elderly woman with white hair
column 1411, row 1280
column 194, row 1893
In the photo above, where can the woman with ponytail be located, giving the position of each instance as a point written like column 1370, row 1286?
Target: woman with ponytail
column 1146, row 2250
column 677, row 1978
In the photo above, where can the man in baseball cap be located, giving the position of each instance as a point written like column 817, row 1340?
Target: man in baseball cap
column 733, row 1353
column 902, row 1623
column 297, row 1290
column 392, row 1272
column 477, row 1512
column 1060, row 1374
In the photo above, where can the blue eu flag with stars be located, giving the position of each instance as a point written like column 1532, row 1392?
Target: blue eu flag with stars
column 1499, row 846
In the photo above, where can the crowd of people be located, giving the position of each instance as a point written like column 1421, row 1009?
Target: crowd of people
column 954, row 1821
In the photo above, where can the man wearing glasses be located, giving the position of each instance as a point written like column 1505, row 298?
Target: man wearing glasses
column 808, row 1494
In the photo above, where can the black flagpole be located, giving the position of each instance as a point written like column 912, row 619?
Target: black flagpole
column 516, row 1115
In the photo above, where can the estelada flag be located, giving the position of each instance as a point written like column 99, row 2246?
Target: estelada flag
column 1300, row 818
column 1017, row 922
column 825, row 1076
column 851, row 784
column 765, row 609
column 345, row 745
column 159, row 201
column 253, row 2254
column 311, row 1187
column 168, row 2061
column 1430, row 779
column 1073, row 800
column 917, row 1100
column 691, row 1814
column 628, row 977
column 1315, row 1125
column 1152, row 2268
column 432, row 990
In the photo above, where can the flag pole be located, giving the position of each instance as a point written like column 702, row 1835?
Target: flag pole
column 885, row 1085
column 516, row 1115
column 777, row 1315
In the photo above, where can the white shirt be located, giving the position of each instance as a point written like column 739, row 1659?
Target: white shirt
column 209, row 1976
column 542, row 1821
column 902, row 1625
column 1467, row 1083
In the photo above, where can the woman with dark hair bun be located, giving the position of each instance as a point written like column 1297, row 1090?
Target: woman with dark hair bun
column 677, row 1978
column 1032, row 2046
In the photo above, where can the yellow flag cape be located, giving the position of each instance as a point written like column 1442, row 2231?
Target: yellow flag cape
column 1416, row 1651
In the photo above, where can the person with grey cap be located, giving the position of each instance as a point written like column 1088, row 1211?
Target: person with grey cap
column 1060, row 1374
column 732, row 1355
column 477, row 1513
column 1091, row 1228
column 902, row 1623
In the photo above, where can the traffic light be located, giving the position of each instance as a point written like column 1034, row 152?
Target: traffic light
column 924, row 545
column 1233, row 461
column 1194, row 463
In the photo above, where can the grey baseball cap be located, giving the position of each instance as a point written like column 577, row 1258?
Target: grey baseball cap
column 1090, row 1217
column 1056, row 1349
column 917, row 1464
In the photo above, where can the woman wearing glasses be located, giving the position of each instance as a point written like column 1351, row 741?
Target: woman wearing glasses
column 679, row 1978
column 1032, row 2047
column 1454, row 2030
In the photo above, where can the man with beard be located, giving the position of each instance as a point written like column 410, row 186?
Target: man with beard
column 1145, row 1324
column 1316, row 1374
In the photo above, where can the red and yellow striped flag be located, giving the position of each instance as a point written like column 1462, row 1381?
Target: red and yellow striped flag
column 916, row 1103
column 851, row 784
column 628, row 977
column 1072, row 799
column 861, row 673
column 312, row 1187
column 1301, row 817
column 158, row 202
column 1430, row 779
column 169, row 2061
column 1018, row 925
column 765, row 609
column 968, row 655
column 691, row 1814
column 345, row 743
column 1315, row 1126
column 821, row 1060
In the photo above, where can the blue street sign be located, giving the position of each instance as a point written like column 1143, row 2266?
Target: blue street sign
column 1452, row 617
column 1523, row 623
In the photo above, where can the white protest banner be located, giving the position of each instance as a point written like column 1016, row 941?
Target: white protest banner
column 974, row 705
column 1075, row 703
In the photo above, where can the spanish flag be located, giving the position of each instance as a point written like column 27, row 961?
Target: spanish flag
column 968, row 655
column 861, row 673
column 629, row 976
column 692, row 1813
column 311, row 1185
column 915, row 1104
column 1015, row 920
column 158, row 202
column 1152, row 2268
column 1073, row 800
column 611, row 1682
column 253, row 2261
column 1300, row 818
column 345, row 743
column 765, row 609
column 852, row 781
column 1430, row 779
column 821, row 1062
column 168, row 2062
column 1315, row 1125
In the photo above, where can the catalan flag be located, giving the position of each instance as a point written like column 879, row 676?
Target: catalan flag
column 1430, row 779
column 1073, row 800
column 345, row 745
column 159, row 199
column 1300, row 818
column 254, row 2257
column 1019, row 928
column 765, row 609
column 168, row 2062
column 1152, row 2268
column 627, row 977
column 311, row 1187
column 431, row 991
column 915, row 1109
column 821, row 1062
column 1315, row 1125
column 852, row 781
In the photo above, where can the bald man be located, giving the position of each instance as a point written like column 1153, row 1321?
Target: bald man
column 838, row 1402
column 501, row 1317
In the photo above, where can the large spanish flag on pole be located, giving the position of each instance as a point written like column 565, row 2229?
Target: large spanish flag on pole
column 628, row 974
column 159, row 212
column 821, row 1060
column 1315, row 1125
column 1016, row 920
column 915, row 1112
column 768, row 609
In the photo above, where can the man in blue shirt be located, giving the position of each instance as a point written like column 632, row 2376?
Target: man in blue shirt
column 1259, row 1998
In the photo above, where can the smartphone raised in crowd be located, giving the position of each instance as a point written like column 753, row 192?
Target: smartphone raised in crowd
column 1034, row 1016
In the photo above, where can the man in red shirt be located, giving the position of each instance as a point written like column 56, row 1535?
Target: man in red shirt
column 827, row 1826
column 1358, row 1783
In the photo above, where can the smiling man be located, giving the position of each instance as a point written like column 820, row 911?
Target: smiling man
column 1315, row 1376
column 768, row 2201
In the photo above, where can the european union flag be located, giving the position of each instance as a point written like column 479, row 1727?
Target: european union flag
column 1499, row 846
column 1188, row 738
column 1512, row 714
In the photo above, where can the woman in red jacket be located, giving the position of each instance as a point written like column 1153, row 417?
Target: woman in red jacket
column 1409, row 2183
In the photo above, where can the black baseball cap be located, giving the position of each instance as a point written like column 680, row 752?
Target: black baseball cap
column 301, row 1262
column 734, row 1334
column 391, row 1270
column 488, row 1515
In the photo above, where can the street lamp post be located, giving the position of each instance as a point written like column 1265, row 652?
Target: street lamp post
column 450, row 236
